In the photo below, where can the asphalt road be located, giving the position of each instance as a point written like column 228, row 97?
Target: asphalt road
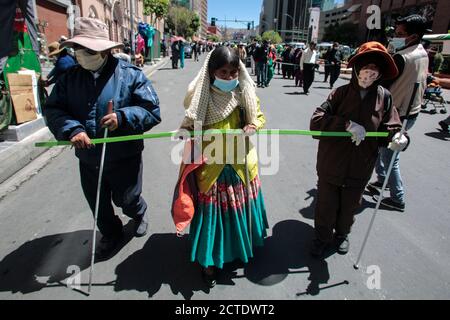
column 45, row 223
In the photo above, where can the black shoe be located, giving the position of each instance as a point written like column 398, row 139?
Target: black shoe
column 444, row 126
column 343, row 244
column 210, row 279
column 389, row 203
column 318, row 248
column 375, row 187
column 141, row 226
column 107, row 245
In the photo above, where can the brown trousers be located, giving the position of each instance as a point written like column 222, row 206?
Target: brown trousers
column 335, row 210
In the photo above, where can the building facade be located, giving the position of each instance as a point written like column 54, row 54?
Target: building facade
column 348, row 13
column 55, row 18
column 201, row 8
column 290, row 18
column 52, row 18
column 215, row 31
column 436, row 12
column 115, row 13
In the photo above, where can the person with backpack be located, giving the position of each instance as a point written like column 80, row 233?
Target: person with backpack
column 345, row 165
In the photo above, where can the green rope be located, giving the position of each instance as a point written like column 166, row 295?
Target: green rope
column 159, row 135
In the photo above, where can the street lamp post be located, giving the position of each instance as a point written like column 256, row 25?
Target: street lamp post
column 293, row 21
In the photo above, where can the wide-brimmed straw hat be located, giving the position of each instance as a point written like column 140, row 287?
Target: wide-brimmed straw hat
column 54, row 49
column 92, row 34
column 375, row 52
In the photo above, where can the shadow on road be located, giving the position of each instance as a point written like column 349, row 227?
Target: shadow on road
column 308, row 212
column 295, row 93
column 287, row 252
column 45, row 262
column 328, row 88
column 439, row 135
column 166, row 69
column 163, row 260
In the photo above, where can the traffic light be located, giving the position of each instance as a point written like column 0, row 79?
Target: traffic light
column 249, row 25
column 213, row 22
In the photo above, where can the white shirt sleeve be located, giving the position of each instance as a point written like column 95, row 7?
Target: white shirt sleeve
column 302, row 59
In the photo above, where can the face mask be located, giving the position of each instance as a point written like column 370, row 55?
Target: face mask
column 396, row 43
column 88, row 61
column 226, row 85
column 367, row 77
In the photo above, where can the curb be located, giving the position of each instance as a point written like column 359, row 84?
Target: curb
column 20, row 154
column 151, row 70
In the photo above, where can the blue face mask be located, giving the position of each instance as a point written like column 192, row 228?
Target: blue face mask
column 395, row 44
column 226, row 85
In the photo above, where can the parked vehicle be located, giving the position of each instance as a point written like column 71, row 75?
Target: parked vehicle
column 188, row 51
column 297, row 45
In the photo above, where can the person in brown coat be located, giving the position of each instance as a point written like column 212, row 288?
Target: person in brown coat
column 345, row 165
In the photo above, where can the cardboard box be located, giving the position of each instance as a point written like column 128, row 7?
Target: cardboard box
column 22, row 96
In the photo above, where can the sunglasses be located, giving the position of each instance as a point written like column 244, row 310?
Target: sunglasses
column 88, row 51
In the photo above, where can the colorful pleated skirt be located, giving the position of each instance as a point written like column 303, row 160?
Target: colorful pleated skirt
column 219, row 230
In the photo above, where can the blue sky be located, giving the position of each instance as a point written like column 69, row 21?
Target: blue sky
column 234, row 9
column 237, row 9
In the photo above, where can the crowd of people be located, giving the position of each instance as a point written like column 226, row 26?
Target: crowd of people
column 225, row 198
column 196, row 48
column 296, row 63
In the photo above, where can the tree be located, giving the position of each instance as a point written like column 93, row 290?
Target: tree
column 213, row 38
column 272, row 36
column 156, row 8
column 194, row 26
column 182, row 21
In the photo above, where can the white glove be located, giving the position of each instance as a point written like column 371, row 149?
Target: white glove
column 358, row 132
column 399, row 142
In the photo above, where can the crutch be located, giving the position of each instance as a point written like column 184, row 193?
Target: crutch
column 100, row 174
column 243, row 117
column 386, row 179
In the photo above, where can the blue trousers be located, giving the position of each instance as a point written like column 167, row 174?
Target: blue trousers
column 261, row 73
column 121, row 184
column 395, row 182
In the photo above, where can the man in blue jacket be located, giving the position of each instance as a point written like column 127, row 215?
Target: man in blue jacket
column 64, row 61
column 77, row 111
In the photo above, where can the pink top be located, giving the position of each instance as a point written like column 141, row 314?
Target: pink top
column 140, row 44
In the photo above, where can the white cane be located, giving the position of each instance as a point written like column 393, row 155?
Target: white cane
column 386, row 179
column 99, row 184
column 247, row 177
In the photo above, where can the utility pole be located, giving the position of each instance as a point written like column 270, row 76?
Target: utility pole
column 132, row 26
column 309, row 20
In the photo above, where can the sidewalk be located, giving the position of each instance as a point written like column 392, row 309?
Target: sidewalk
column 14, row 155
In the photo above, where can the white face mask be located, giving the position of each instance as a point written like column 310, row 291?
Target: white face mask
column 367, row 76
column 91, row 62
